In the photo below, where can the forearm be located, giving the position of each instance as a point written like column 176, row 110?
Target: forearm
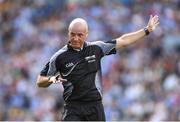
column 43, row 81
column 129, row 38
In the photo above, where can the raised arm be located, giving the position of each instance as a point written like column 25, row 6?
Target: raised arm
column 129, row 38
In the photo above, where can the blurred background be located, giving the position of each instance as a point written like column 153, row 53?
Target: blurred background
column 141, row 82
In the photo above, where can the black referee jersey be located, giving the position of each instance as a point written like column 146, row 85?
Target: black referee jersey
column 81, row 69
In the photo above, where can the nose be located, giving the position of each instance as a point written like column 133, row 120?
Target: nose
column 76, row 37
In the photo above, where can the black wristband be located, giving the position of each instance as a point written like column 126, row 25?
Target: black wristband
column 146, row 31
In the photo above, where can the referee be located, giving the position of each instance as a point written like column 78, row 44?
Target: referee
column 77, row 66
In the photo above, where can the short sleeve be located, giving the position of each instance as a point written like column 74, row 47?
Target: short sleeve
column 108, row 47
column 52, row 70
column 52, row 63
column 45, row 70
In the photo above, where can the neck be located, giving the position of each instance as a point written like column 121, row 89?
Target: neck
column 77, row 49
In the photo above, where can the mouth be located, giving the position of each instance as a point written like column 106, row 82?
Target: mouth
column 75, row 44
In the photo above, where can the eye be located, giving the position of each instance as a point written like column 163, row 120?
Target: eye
column 72, row 34
column 80, row 34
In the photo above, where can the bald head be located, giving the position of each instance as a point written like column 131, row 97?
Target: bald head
column 78, row 24
column 78, row 32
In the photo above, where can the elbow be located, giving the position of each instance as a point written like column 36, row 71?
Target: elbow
column 40, row 83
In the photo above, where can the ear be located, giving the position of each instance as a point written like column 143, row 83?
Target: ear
column 86, row 34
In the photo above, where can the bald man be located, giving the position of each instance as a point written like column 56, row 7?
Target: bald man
column 77, row 66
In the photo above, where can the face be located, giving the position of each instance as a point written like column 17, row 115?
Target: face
column 77, row 35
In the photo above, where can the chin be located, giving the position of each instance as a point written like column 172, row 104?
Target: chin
column 76, row 47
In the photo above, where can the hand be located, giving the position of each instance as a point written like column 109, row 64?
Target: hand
column 153, row 22
column 56, row 79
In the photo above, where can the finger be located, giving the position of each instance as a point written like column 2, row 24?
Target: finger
column 156, row 21
column 157, row 24
column 150, row 17
column 156, row 18
column 57, row 77
column 57, row 82
column 54, row 81
column 63, row 80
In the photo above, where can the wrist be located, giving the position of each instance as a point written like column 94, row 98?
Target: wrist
column 49, row 78
column 146, row 31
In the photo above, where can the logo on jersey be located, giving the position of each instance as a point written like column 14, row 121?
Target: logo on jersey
column 69, row 65
column 90, row 59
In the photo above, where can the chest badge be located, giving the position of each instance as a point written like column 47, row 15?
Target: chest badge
column 69, row 65
column 90, row 59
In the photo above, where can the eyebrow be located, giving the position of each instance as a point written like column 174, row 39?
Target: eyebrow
column 77, row 33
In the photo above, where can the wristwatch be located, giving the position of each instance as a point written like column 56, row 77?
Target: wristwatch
column 146, row 31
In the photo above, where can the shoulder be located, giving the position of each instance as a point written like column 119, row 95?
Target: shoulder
column 58, row 53
column 107, row 47
column 95, row 44
column 102, row 44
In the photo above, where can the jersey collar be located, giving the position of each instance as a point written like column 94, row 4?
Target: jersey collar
column 84, row 45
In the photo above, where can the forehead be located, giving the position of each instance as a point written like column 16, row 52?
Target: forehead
column 78, row 28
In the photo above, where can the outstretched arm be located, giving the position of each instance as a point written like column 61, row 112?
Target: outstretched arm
column 129, row 38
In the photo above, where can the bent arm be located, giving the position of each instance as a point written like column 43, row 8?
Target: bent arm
column 43, row 81
column 129, row 38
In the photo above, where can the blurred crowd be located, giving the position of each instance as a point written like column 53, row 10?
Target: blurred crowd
column 141, row 82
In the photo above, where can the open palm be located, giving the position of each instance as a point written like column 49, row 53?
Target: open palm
column 153, row 22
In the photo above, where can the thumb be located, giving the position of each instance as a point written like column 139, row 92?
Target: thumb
column 151, row 16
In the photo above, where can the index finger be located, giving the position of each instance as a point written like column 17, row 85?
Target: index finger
column 62, row 80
